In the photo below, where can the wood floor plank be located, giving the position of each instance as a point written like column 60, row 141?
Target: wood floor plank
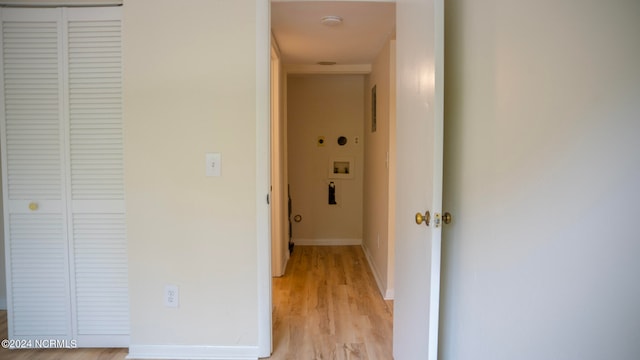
column 352, row 351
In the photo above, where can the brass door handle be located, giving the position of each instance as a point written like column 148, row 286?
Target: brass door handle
column 426, row 218
column 447, row 218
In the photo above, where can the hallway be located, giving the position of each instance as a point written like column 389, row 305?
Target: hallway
column 327, row 306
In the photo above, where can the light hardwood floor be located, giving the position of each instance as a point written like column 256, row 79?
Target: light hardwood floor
column 327, row 306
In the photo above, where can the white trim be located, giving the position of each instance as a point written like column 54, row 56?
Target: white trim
column 361, row 69
column 274, row 45
column 54, row 3
column 102, row 341
column 327, row 242
column 4, row 193
column 436, row 237
column 387, row 294
column 195, row 352
column 391, row 1
column 3, row 303
column 58, row 3
column 263, row 177
column 279, row 216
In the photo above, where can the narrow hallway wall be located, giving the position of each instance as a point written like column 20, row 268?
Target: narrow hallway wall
column 379, row 156
column 327, row 106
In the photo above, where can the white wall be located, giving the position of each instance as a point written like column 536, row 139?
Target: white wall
column 378, row 241
column 329, row 106
column 190, row 88
column 542, row 166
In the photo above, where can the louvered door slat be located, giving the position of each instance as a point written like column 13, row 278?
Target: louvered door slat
column 101, row 274
column 32, row 109
column 95, row 110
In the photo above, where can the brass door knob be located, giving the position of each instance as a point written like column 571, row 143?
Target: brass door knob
column 33, row 206
column 447, row 218
column 426, row 218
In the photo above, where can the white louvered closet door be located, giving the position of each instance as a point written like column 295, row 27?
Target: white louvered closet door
column 33, row 170
column 63, row 150
column 96, row 187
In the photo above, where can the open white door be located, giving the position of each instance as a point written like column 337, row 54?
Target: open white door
column 420, row 93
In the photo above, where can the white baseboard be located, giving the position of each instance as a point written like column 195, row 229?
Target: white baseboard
column 327, row 242
column 387, row 294
column 195, row 352
column 3, row 304
column 103, row 341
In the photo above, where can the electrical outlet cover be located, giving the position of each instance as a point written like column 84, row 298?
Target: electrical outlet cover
column 171, row 296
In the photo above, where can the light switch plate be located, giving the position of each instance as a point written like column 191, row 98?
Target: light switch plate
column 213, row 164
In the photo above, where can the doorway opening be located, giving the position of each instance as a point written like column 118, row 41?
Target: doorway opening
column 309, row 142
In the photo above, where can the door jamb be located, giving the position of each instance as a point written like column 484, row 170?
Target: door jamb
column 263, row 165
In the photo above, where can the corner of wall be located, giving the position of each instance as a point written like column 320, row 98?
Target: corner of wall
column 386, row 293
column 391, row 230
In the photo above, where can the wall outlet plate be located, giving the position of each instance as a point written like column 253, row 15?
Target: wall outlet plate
column 171, row 296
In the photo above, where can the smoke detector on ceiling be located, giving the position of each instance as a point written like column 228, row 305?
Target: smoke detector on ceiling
column 331, row 20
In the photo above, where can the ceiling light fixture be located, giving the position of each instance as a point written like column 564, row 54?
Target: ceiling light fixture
column 331, row 20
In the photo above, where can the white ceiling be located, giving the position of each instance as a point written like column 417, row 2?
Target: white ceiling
column 302, row 39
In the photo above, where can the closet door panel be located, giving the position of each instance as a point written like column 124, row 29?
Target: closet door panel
column 34, row 195
column 96, row 173
column 101, row 274
column 39, row 289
